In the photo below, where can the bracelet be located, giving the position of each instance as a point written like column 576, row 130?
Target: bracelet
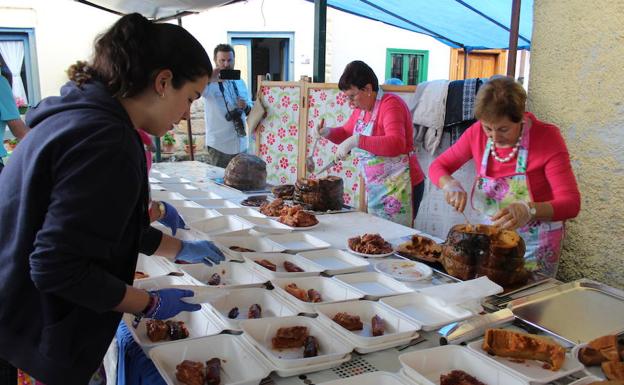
column 150, row 309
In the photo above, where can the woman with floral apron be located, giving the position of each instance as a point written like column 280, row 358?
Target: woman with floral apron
column 379, row 133
column 524, row 180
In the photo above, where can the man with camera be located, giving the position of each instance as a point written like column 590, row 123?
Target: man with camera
column 226, row 103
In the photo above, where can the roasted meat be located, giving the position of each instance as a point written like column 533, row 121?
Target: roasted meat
column 177, row 330
column 347, row 321
column 378, row 326
column 213, row 371
column 370, row 244
column 255, row 311
column 291, row 267
column 158, row 330
column 300, row 294
column 267, row 264
column 140, row 275
column 314, row 296
column 458, row 377
column 296, row 217
column 310, row 347
column 214, row 279
column 190, row 373
column 233, row 314
column 292, row 337
column 241, row 249
column 272, row 209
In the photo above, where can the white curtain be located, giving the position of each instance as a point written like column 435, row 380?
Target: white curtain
column 13, row 54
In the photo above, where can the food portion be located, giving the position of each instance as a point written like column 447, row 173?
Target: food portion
column 347, row 321
column 158, row 330
column 607, row 352
column 310, row 295
column 284, row 191
column 296, row 217
column 458, row 377
column 266, row 264
column 274, row 208
column 310, row 347
column 246, row 172
column 420, row 247
column 314, row 296
column 233, row 313
column 291, row 267
column 140, row 275
column 241, row 249
column 255, row 311
column 254, row 201
column 474, row 251
column 614, row 370
column 214, row 280
column 370, row 244
column 213, row 371
column 378, row 326
column 191, row 372
column 290, row 337
column 325, row 194
column 506, row 343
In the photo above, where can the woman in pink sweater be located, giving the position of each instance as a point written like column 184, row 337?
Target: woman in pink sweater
column 380, row 134
column 524, row 178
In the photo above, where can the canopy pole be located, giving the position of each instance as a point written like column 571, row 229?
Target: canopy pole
column 513, row 38
column 320, row 32
column 189, row 130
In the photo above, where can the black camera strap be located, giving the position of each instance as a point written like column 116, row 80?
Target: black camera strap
column 229, row 113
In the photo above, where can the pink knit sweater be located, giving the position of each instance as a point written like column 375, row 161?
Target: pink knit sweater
column 393, row 133
column 549, row 172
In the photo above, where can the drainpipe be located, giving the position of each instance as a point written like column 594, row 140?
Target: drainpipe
column 320, row 29
column 513, row 38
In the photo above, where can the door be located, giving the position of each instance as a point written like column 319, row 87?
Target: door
column 481, row 63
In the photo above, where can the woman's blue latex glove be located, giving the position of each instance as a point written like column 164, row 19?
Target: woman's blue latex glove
column 169, row 303
column 172, row 219
column 199, row 251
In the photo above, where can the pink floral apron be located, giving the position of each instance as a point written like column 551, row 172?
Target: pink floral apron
column 387, row 179
column 489, row 195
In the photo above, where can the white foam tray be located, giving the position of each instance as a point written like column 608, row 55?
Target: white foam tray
column 398, row 328
column 298, row 241
column 233, row 274
column 154, row 266
column 257, row 244
column 266, row 225
column 425, row 366
column 331, row 291
column 167, row 196
column 261, row 331
column 595, row 371
column 372, row 378
column 199, row 323
column 164, row 178
column 179, row 187
column 224, row 224
column 426, row 310
column 336, row 261
column 156, row 187
column 374, row 285
column 530, row 370
column 193, row 214
column 164, row 281
column 215, row 203
column 241, row 212
column 239, row 362
column 586, row 380
column 200, row 194
column 310, row 268
column 179, row 203
column 272, row 305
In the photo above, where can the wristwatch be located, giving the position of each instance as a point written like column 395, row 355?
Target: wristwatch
column 162, row 209
column 532, row 210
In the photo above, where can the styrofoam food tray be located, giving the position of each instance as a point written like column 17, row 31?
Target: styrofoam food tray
column 239, row 362
column 215, row 203
column 200, row 194
column 164, row 178
column 199, row 323
column 267, row 225
column 371, row 378
column 425, row 366
column 595, row 371
column 261, row 331
column 156, row 187
column 154, row 266
column 233, row 274
column 374, row 285
column 193, row 214
column 299, row 242
column 166, row 196
column 179, row 187
column 164, row 281
column 272, row 305
column 331, row 291
column 426, row 310
column 336, row 261
column 151, row 179
column 403, row 270
column 224, row 224
column 398, row 328
column 586, row 380
column 240, row 211
column 309, row 268
column 179, row 203
column 257, row 244
column 530, row 370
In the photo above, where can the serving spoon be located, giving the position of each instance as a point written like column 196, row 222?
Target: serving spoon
column 309, row 160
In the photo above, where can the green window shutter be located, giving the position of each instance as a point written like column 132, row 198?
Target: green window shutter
column 410, row 66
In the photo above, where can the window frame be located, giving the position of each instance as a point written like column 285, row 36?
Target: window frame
column 27, row 36
column 422, row 75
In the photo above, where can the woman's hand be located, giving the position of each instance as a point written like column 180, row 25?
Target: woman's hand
column 454, row 193
column 321, row 130
column 516, row 215
column 346, row 146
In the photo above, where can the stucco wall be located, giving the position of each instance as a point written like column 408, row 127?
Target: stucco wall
column 577, row 82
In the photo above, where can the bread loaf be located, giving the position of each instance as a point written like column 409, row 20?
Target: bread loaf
column 246, row 172
column 506, row 343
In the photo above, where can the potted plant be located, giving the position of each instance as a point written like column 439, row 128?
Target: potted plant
column 21, row 105
column 187, row 146
column 168, row 142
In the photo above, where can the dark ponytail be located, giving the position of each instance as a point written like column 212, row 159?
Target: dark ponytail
column 128, row 56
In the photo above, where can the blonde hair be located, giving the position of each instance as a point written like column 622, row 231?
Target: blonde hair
column 500, row 97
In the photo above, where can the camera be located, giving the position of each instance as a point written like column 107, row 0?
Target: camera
column 229, row 74
column 236, row 117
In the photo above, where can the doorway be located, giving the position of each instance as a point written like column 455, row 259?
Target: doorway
column 261, row 53
column 481, row 63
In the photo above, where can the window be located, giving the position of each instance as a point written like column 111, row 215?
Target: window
column 18, row 63
column 406, row 64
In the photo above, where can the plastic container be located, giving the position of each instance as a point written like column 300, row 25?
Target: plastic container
column 193, row 214
column 233, row 274
column 179, row 203
column 164, row 178
column 398, row 328
column 225, row 224
column 154, row 266
column 426, row 310
column 336, row 261
column 266, row 225
column 372, row 378
column 241, row 211
column 331, row 291
column 200, row 194
column 162, row 195
column 374, row 285
column 298, row 241
column 179, row 187
column 215, row 203
column 278, row 259
column 425, row 366
column 164, row 281
column 239, row 362
column 261, row 331
column 255, row 244
column 272, row 305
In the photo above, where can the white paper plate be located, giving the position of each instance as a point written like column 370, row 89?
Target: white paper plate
column 309, row 268
column 296, row 242
column 531, row 370
column 233, row 274
column 404, row 270
column 240, row 211
column 336, row 261
column 374, row 285
column 294, row 228
column 331, row 291
column 370, row 255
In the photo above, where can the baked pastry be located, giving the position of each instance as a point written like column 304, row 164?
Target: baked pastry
column 420, row 247
column 605, row 348
column 370, row 244
column 190, row 372
column 291, row 337
column 284, row 191
column 348, row 321
column 245, row 172
column 458, row 377
column 324, row 194
column 506, row 343
column 296, row 217
column 273, row 209
column 614, row 370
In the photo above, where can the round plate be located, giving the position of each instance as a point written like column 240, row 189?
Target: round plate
column 303, row 228
column 404, row 270
column 370, row 255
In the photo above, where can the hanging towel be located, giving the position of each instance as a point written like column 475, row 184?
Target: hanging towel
column 429, row 107
column 454, row 101
column 470, row 90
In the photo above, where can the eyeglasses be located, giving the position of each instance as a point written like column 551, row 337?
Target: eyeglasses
column 352, row 97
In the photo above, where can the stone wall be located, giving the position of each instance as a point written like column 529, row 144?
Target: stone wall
column 180, row 134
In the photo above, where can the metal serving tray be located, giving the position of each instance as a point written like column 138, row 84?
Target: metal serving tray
column 577, row 311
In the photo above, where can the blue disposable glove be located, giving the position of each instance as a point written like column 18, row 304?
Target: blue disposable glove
column 170, row 303
column 172, row 219
column 200, row 251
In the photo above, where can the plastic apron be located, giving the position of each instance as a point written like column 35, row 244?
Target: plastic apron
column 387, row 179
column 542, row 239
